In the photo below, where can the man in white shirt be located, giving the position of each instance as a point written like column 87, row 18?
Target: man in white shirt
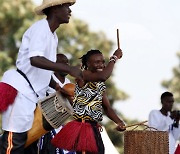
column 36, row 61
column 166, row 120
column 45, row 146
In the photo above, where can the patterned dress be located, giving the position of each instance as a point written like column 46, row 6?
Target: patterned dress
column 88, row 101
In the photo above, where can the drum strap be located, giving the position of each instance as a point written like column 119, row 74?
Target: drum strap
column 24, row 75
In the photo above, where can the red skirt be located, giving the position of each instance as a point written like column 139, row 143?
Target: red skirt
column 7, row 96
column 79, row 136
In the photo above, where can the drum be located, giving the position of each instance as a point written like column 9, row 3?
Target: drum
column 37, row 129
column 50, row 113
column 146, row 142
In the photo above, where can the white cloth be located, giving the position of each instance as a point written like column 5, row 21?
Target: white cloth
column 38, row 40
column 19, row 116
column 164, row 123
column 16, row 80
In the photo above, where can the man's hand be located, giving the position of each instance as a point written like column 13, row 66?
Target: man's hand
column 175, row 115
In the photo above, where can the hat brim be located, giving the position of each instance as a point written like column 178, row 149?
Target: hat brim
column 39, row 9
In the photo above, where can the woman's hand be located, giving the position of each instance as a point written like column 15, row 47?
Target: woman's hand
column 120, row 126
column 118, row 53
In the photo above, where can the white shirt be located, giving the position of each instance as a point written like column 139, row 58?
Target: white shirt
column 38, row 40
column 164, row 123
column 51, row 90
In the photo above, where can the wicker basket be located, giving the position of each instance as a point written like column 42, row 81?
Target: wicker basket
column 146, row 142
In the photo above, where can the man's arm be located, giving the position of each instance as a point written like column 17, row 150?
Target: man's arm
column 53, row 84
column 42, row 62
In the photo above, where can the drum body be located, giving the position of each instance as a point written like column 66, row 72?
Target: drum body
column 50, row 113
column 37, row 129
column 146, row 142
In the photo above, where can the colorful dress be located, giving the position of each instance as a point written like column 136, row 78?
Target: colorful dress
column 88, row 101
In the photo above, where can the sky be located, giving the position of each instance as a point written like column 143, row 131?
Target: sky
column 149, row 32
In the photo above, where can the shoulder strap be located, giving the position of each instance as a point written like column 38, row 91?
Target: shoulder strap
column 24, row 75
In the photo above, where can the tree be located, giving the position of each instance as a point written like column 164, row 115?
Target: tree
column 14, row 17
column 5, row 62
column 173, row 84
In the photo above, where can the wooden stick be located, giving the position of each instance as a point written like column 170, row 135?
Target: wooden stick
column 118, row 42
column 135, row 124
column 83, row 152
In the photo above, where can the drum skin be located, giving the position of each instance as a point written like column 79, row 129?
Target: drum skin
column 69, row 88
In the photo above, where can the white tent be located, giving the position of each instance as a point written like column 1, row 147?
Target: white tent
column 109, row 147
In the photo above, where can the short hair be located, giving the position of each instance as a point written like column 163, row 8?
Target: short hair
column 86, row 57
column 166, row 94
column 60, row 58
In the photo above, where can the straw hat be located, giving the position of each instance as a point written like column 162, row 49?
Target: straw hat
column 50, row 3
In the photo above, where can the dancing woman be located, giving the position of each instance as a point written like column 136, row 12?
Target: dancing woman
column 83, row 133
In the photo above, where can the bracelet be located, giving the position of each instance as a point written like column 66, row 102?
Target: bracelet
column 113, row 58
